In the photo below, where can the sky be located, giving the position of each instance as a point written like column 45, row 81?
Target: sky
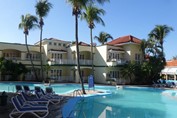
column 123, row 17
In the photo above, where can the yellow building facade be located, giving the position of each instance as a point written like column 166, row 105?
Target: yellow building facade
column 62, row 59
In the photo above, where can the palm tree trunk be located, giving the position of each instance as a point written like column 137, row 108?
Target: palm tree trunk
column 41, row 52
column 77, row 52
column 92, row 51
column 30, row 57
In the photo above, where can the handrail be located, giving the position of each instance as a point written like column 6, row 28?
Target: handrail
column 77, row 92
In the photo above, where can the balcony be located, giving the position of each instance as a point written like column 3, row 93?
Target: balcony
column 62, row 79
column 69, row 61
column 115, row 62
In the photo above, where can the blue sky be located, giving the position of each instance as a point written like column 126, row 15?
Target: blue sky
column 123, row 17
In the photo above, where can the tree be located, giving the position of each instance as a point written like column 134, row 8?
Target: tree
column 42, row 9
column 8, row 67
column 103, row 37
column 128, row 71
column 47, row 68
column 92, row 15
column 159, row 33
column 28, row 22
column 77, row 6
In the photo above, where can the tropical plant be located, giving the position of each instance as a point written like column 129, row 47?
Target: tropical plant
column 77, row 6
column 159, row 33
column 92, row 15
column 103, row 37
column 8, row 67
column 47, row 68
column 128, row 71
column 42, row 9
column 28, row 22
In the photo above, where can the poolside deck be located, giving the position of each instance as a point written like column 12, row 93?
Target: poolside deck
column 54, row 110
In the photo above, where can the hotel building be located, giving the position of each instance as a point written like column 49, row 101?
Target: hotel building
column 62, row 59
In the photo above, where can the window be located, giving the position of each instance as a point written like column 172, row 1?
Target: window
column 59, row 56
column 117, row 56
column 34, row 56
column 137, row 58
column 50, row 43
column 64, row 45
column 114, row 74
column 59, row 44
column 81, row 56
column 55, row 44
column 56, row 74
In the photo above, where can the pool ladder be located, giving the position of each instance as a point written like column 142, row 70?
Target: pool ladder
column 77, row 92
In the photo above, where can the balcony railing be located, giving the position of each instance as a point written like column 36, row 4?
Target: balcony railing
column 13, row 58
column 67, row 78
column 114, row 62
column 69, row 61
column 62, row 78
column 19, row 58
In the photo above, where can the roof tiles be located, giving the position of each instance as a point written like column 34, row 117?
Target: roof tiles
column 125, row 39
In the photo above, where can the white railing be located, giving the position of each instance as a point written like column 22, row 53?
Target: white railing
column 69, row 61
column 13, row 58
column 113, row 61
column 62, row 78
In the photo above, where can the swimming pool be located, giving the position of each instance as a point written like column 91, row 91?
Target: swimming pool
column 126, row 102
column 129, row 102
column 58, row 88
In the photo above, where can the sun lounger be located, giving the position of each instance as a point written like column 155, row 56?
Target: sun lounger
column 27, row 89
column 39, row 112
column 49, row 90
column 33, row 99
column 18, row 88
column 29, row 104
column 39, row 95
column 51, row 95
column 40, row 90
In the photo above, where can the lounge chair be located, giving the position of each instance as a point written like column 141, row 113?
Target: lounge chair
column 49, row 90
column 29, row 104
column 156, row 84
column 51, row 95
column 41, row 91
column 37, row 88
column 39, row 112
column 18, row 88
column 33, row 99
column 27, row 89
column 39, row 95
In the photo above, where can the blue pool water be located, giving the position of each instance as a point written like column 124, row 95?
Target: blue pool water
column 58, row 88
column 127, row 102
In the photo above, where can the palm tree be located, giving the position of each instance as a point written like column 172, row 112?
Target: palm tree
column 42, row 9
column 159, row 33
column 143, row 45
column 103, row 37
column 91, row 15
column 128, row 71
column 77, row 6
column 28, row 22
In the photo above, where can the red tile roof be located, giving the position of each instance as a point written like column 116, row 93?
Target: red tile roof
column 171, row 63
column 125, row 39
column 82, row 43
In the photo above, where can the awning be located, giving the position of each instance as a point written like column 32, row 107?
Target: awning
column 116, row 50
column 169, row 70
column 57, row 51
